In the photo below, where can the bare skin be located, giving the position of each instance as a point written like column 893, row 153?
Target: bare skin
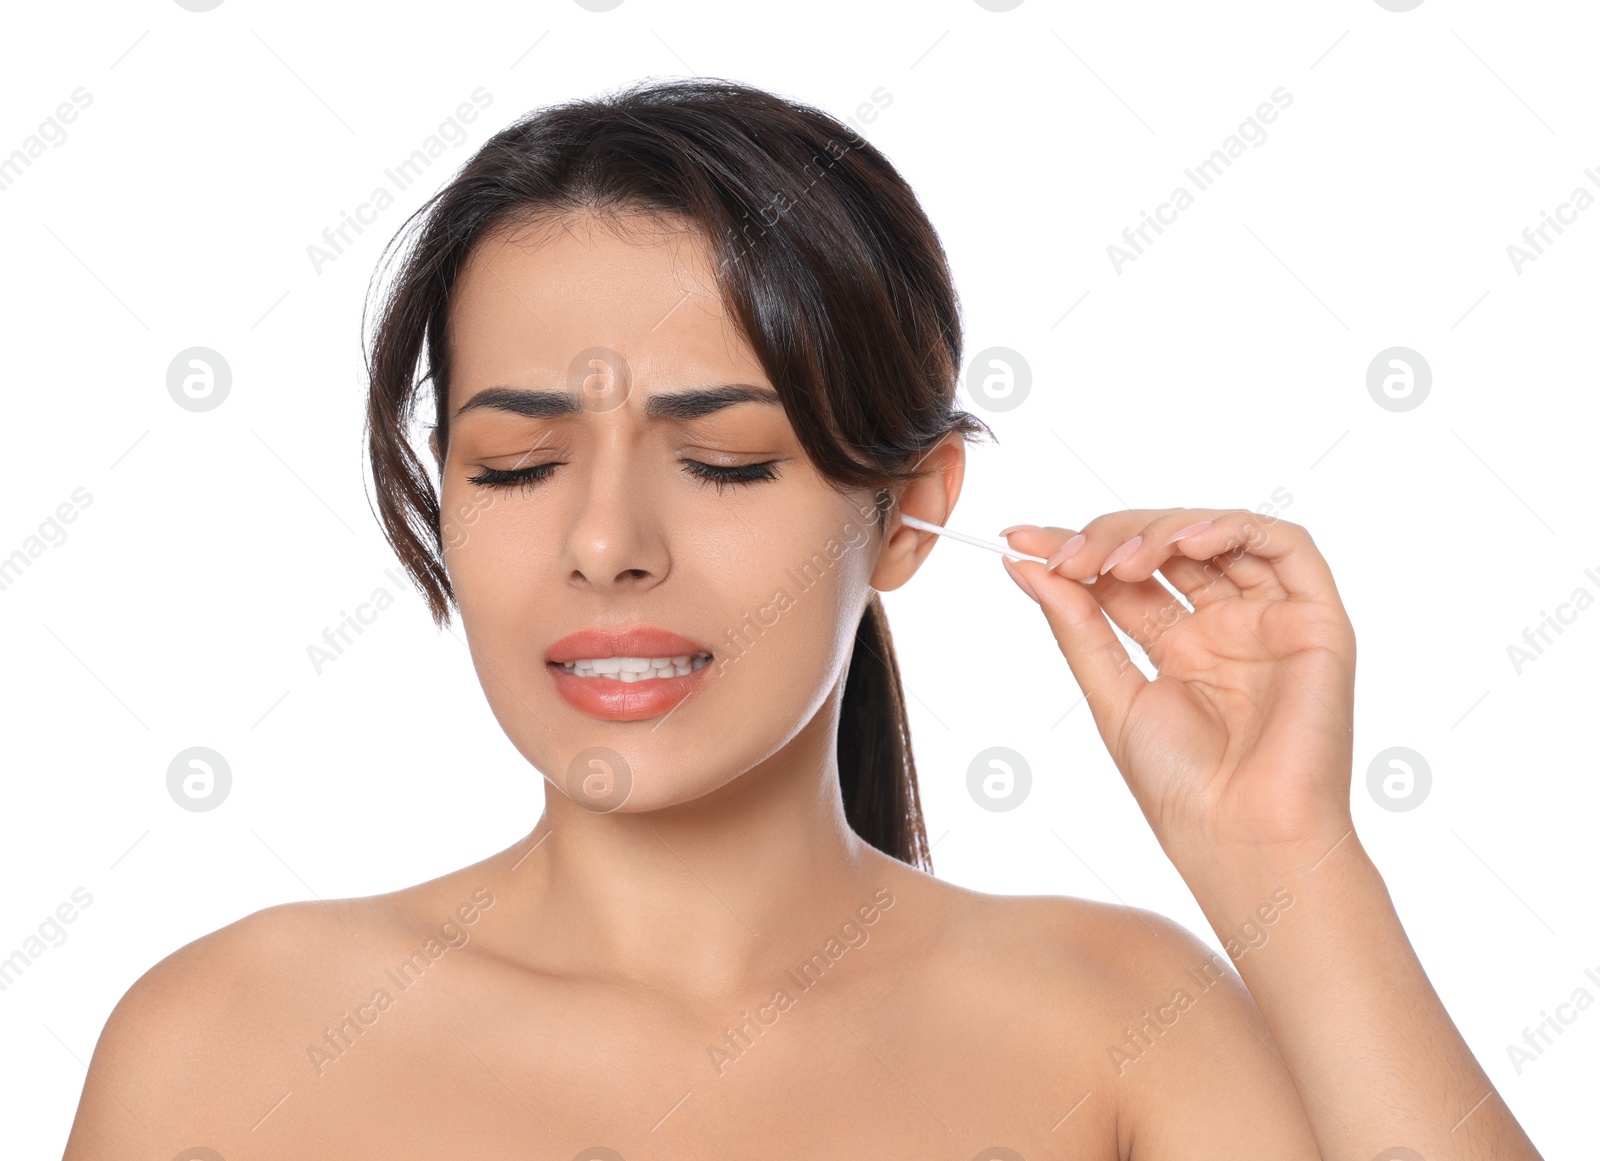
column 634, row 979
column 963, row 1022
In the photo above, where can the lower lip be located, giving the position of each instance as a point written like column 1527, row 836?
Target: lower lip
column 625, row 701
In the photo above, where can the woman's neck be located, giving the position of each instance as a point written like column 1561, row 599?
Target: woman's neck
column 696, row 900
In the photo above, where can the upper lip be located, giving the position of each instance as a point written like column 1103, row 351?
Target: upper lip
column 640, row 641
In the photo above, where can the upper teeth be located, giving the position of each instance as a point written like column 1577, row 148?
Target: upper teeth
column 637, row 668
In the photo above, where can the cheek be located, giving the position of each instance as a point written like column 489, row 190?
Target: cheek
column 466, row 515
column 498, row 554
column 795, row 602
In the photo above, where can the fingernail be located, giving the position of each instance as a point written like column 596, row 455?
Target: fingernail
column 1019, row 528
column 1189, row 531
column 1127, row 549
column 1022, row 582
column 1065, row 552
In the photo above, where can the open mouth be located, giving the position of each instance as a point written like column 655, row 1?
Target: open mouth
column 632, row 669
column 627, row 674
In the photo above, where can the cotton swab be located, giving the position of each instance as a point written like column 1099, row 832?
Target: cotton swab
column 1002, row 549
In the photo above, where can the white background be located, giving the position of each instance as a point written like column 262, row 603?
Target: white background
column 1227, row 362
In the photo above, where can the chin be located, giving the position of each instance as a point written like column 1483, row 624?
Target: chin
column 629, row 779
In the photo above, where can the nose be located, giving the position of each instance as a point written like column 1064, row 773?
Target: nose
column 614, row 541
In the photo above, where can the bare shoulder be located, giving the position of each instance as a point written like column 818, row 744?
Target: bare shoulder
column 1073, row 970
column 1054, row 939
column 202, row 1040
column 1140, row 1011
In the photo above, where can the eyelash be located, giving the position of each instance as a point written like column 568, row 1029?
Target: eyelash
column 708, row 474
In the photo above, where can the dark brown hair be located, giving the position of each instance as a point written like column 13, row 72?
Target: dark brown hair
column 825, row 262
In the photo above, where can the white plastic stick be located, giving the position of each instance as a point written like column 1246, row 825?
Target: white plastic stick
column 1002, row 549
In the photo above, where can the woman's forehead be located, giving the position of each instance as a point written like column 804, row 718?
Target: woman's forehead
column 529, row 306
column 585, row 254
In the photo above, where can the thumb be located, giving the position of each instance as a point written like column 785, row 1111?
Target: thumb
column 1104, row 671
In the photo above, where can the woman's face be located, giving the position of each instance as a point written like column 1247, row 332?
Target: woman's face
column 614, row 531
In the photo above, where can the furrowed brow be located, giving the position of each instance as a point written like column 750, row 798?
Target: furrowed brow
column 676, row 406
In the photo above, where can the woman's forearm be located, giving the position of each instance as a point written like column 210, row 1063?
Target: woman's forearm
column 1378, row 1062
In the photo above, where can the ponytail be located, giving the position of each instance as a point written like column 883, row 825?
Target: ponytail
column 877, row 774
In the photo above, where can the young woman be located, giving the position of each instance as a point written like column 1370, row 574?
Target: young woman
column 693, row 350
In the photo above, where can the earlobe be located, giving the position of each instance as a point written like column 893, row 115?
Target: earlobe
column 901, row 556
column 931, row 498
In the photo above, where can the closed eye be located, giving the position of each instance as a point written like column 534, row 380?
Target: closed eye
column 709, row 474
column 722, row 476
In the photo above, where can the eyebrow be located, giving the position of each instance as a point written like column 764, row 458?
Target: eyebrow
column 678, row 405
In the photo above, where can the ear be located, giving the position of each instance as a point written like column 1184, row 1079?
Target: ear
column 931, row 498
column 433, row 446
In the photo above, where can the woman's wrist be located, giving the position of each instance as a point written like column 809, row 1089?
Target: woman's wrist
column 1224, row 876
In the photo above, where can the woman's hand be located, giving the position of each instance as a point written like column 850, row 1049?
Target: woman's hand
column 1238, row 753
column 1242, row 742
